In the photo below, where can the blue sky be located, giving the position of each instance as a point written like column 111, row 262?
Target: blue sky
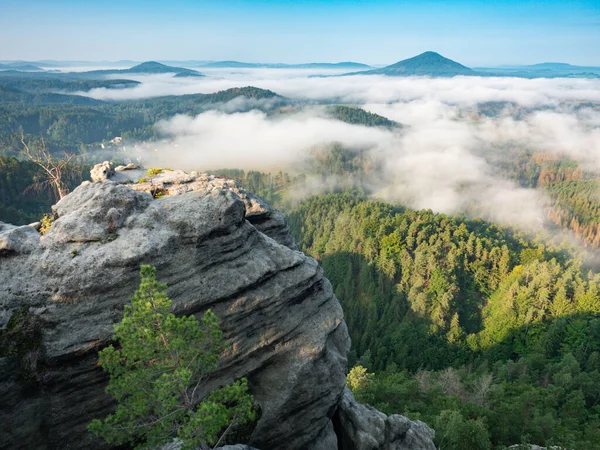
column 376, row 31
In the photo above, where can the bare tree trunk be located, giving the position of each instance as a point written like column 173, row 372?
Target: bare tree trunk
column 53, row 169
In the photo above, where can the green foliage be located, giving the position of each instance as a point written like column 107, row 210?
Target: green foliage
column 577, row 208
column 535, row 400
column 23, row 198
column 46, row 221
column 156, row 374
column 418, row 286
column 358, row 116
column 425, row 292
column 154, row 171
column 358, row 378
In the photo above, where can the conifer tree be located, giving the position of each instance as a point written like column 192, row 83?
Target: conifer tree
column 157, row 372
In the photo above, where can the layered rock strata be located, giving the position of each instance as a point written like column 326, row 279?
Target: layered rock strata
column 283, row 324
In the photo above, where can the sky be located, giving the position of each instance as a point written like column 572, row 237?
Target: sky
column 473, row 32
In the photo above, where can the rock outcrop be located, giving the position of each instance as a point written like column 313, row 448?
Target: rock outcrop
column 362, row 427
column 283, row 324
column 266, row 219
column 216, row 246
column 16, row 240
column 102, row 171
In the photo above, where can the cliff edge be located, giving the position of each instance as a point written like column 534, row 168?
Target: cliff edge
column 216, row 246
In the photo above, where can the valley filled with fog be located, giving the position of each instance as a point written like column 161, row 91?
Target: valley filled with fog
column 446, row 155
column 456, row 215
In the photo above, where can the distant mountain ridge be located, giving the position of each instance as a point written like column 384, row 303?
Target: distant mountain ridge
column 426, row 64
column 542, row 70
column 245, row 65
column 26, row 67
column 148, row 67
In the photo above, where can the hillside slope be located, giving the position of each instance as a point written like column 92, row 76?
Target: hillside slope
column 426, row 64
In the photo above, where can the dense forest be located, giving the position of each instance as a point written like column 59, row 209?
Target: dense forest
column 576, row 207
column 23, row 196
column 67, row 122
column 488, row 334
column 358, row 116
column 469, row 326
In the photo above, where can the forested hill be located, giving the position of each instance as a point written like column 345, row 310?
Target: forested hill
column 148, row 67
column 423, row 292
column 426, row 64
column 63, row 84
column 68, row 121
column 577, row 208
column 358, row 116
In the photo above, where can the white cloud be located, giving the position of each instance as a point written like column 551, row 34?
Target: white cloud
column 439, row 161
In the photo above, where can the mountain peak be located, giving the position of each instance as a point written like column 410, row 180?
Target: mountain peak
column 426, row 64
column 430, row 53
column 153, row 67
column 148, row 64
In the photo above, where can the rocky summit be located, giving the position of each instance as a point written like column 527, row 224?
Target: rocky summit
column 216, row 246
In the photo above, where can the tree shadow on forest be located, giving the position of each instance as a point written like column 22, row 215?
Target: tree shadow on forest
column 380, row 320
column 385, row 330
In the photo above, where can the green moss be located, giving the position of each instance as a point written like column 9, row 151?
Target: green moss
column 22, row 339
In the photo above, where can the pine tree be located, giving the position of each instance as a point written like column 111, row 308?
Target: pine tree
column 157, row 371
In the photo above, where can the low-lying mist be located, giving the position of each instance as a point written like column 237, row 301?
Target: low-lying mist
column 441, row 159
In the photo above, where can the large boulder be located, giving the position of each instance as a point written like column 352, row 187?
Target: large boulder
column 362, row 427
column 13, row 239
column 102, row 171
column 283, row 325
column 265, row 218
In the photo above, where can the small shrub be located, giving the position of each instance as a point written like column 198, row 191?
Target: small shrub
column 142, row 180
column 159, row 194
column 153, row 172
column 47, row 220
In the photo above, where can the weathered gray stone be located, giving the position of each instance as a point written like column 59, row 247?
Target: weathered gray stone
column 279, row 315
column 13, row 240
column 362, row 427
column 102, row 171
column 129, row 166
column 177, row 444
column 265, row 218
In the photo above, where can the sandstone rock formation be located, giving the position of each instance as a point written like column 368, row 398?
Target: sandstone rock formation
column 266, row 219
column 129, row 166
column 102, row 171
column 216, row 246
column 16, row 240
column 283, row 324
column 362, row 427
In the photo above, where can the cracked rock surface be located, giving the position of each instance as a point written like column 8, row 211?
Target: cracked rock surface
column 283, row 324
column 216, row 246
